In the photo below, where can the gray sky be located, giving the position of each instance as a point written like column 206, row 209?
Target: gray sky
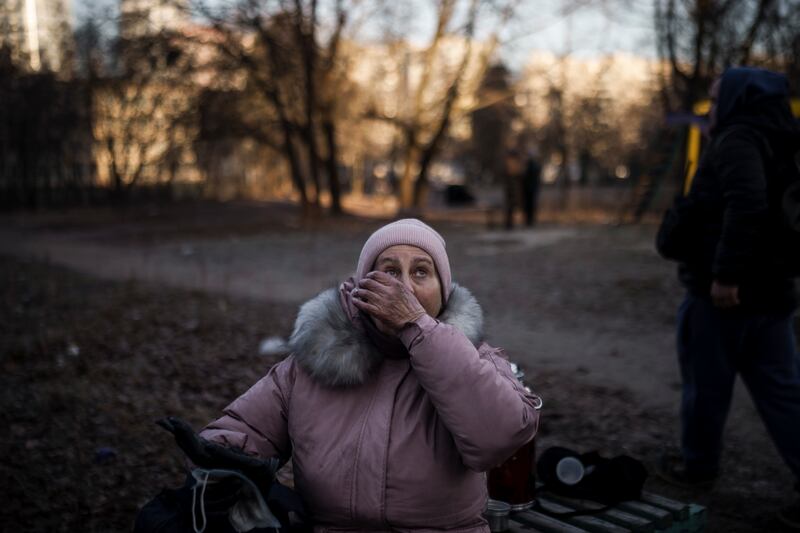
column 579, row 27
column 597, row 28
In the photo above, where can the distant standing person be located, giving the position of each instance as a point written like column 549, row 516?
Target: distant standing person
column 530, row 188
column 738, row 312
column 513, row 169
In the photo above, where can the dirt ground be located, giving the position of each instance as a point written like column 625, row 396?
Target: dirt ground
column 112, row 319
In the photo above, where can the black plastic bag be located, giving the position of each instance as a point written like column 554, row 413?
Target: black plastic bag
column 606, row 481
column 179, row 511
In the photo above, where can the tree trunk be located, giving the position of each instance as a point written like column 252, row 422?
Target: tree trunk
column 332, row 163
column 115, row 174
column 420, row 187
column 294, row 165
column 313, row 158
column 407, row 180
column 307, row 41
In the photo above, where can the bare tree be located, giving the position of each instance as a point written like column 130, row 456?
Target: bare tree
column 141, row 113
column 44, row 137
column 424, row 122
column 281, row 49
column 699, row 38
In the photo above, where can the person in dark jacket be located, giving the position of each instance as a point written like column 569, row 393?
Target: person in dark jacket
column 738, row 312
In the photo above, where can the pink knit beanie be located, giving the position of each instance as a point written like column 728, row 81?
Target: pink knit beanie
column 412, row 232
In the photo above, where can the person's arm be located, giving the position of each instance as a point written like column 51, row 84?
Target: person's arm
column 486, row 409
column 740, row 167
column 256, row 422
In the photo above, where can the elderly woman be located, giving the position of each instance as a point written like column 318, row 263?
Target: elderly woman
column 389, row 405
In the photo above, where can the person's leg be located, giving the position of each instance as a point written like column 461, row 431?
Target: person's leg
column 509, row 203
column 527, row 198
column 771, row 370
column 708, row 340
column 772, row 374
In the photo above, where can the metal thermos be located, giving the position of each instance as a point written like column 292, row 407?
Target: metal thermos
column 497, row 515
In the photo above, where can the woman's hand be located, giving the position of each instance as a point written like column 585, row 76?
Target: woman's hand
column 387, row 300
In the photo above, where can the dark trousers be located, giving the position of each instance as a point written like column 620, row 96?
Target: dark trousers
column 715, row 345
column 530, row 201
column 512, row 193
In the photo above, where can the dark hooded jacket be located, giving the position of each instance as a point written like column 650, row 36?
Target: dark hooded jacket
column 735, row 224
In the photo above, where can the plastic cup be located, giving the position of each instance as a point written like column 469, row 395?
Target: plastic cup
column 569, row 470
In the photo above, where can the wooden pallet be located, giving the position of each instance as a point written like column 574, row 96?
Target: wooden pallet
column 650, row 514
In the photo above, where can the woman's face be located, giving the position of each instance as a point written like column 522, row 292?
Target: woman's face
column 416, row 269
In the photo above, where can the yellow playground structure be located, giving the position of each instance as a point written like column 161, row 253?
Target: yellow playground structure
column 694, row 140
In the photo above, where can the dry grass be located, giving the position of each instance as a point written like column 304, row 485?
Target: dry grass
column 88, row 366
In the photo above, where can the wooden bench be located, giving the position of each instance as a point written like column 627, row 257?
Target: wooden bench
column 650, row 514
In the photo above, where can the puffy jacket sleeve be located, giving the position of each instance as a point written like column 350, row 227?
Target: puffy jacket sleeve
column 256, row 422
column 740, row 168
column 486, row 409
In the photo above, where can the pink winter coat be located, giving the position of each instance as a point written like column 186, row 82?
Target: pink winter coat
column 380, row 443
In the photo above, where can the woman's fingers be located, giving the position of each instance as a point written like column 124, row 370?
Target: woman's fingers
column 372, row 285
column 381, row 277
column 387, row 299
column 366, row 294
column 377, row 274
column 366, row 306
column 378, row 305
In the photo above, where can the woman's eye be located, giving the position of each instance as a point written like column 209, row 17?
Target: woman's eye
column 421, row 273
column 392, row 273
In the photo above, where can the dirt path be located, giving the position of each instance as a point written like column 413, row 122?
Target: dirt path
column 543, row 290
column 594, row 301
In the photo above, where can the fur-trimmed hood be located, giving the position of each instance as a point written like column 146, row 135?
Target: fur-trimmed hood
column 336, row 352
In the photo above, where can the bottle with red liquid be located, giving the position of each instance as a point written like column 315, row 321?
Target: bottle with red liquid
column 514, row 481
